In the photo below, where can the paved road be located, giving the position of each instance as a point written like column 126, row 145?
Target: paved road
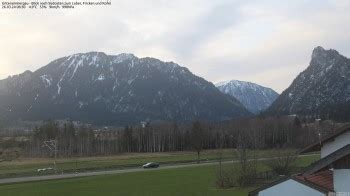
column 120, row 171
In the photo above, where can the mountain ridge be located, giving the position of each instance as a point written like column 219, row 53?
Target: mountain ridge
column 322, row 89
column 254, row 97
column 114, row 89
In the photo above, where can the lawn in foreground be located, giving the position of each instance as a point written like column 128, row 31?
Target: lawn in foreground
column 182, row 181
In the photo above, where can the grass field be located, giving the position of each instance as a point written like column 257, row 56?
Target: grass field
column 29, row 166
column 173, row 182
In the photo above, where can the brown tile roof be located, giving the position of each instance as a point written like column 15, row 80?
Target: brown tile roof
column 322, row 180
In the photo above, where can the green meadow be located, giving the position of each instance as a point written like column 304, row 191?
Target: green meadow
column 198, row 180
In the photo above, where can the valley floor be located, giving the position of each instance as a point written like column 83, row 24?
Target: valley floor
column 29, row 166
column 199, row 180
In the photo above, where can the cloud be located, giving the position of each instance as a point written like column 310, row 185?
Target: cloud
column 196, row 32
column 268, row 42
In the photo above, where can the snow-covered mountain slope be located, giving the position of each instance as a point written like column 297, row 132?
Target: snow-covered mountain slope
column 322, row 90
column 254, row 97
column 121, row 89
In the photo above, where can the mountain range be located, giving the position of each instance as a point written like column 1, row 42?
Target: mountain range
column 114, row 90
column 124, row 89
column 254, row 97
column 322, row 90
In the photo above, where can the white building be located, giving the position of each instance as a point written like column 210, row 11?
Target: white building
column 328, row 176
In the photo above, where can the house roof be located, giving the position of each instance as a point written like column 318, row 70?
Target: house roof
column 317, row 145
column 256, row 191
column 328, row 160
column 321, row 181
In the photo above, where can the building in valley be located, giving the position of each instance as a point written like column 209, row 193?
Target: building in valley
column 326, row 177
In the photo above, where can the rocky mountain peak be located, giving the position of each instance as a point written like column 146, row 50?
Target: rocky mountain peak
column 322, row 89
column 254, row 97
column 320, row 56
column 318, row 51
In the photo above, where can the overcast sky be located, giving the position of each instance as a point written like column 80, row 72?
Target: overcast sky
column 267, row 42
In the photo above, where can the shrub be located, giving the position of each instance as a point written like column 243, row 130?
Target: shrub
column 283, row 162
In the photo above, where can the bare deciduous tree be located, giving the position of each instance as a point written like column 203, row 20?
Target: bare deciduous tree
column 246, row 170
column 197, row 134
column 283, row 162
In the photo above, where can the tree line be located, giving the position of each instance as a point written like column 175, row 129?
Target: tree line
column 81, row 140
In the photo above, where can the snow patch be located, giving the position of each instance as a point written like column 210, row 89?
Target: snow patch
column 94, row 60
column 130, row 81
column 122, row 57
column 64, row 74
column 30, row 107
column 47, row 80
column 97, row 98
column 101, row 77
column 81, row 104
column 80, row 63
column 36, row 97
column 132, row 63
column 116, row 84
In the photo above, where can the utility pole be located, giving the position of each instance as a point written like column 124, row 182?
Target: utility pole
column 318, row 127
column 52, row 146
